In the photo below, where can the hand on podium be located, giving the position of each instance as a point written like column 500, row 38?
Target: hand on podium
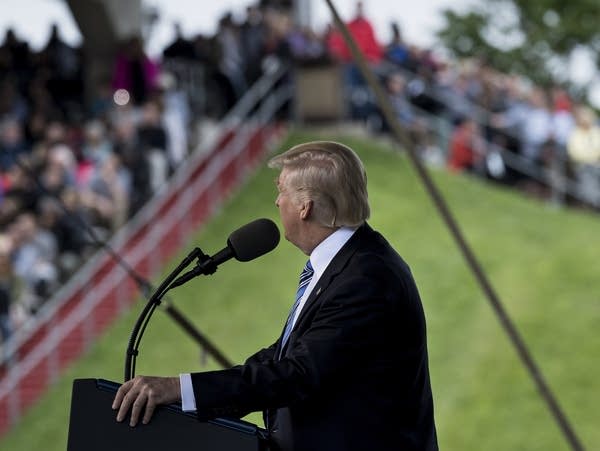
column 144, row 393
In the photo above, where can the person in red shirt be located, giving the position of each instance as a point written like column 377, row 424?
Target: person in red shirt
column 361, row 30
column 355, row 88
column 466, row 149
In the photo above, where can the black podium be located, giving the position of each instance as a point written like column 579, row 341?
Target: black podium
column 93, row 427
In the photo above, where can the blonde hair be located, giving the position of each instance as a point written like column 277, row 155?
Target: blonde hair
column 332, row 176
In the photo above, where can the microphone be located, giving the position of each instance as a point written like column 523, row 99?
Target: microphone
column 246, row 243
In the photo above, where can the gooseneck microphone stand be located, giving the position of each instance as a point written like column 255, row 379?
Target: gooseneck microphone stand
column 205, row 266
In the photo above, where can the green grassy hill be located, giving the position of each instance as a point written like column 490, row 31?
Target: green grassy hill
column 542, row 261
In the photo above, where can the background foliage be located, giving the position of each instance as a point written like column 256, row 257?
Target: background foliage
column 535, row 38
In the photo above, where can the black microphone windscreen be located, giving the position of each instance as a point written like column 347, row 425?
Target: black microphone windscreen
column 253, row 239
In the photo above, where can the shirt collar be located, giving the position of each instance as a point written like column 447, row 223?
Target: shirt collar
column 327, row 249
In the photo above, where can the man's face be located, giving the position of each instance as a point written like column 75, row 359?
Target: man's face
column 289, row 207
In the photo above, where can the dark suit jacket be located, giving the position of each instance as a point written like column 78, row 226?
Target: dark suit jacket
column 354, row 374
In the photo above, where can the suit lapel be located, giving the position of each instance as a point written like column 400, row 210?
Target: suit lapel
column 334, row 268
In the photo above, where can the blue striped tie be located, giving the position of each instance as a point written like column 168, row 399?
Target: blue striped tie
column 305, row 277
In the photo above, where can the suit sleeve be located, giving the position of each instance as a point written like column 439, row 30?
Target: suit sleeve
column 262, row 356
column 353, row 318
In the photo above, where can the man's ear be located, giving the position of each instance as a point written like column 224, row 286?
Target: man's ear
column 306, row 209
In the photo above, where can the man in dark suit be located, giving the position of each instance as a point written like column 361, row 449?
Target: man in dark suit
column 350, row 369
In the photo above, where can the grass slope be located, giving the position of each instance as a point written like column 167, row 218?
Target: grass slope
column 543, row 263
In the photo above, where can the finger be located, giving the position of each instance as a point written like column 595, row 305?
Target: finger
column 126, row 402
column 137, row 407
column 123, row 409
column 123, row 389
column 150, row 407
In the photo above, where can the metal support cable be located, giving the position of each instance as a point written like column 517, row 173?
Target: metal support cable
column 444, row 211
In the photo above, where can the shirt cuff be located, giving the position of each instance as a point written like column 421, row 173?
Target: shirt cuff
column 188, row 400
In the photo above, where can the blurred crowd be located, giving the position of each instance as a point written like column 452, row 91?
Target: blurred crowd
column 74, row 169
column 470, row 117
column 460, row 113
column 500, row 126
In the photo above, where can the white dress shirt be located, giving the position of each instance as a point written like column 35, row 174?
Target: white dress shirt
column 320, row 258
